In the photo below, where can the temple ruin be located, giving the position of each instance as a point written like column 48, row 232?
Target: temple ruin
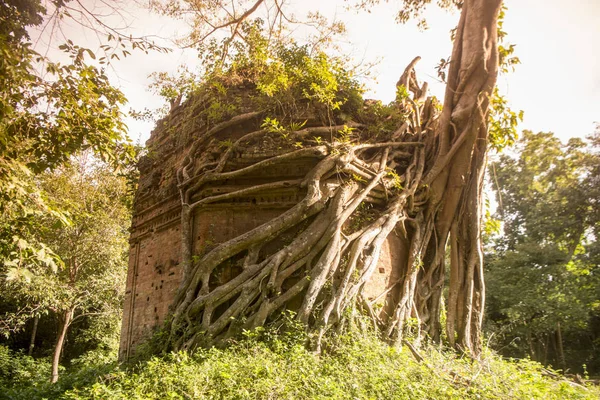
column 154, row 272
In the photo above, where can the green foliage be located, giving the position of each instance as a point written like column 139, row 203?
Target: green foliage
column 48, row 112
column 18, row 370
column 44, row 121
column 276, row 364
column 291, row 72
column 381, row 119
column 296, row 126
column 272, row 125
column 507, row 60
column 548, row 292
column 544, row 192
column 346, row 134
column 395, row 178
column 92, row 249
column 24, row 377
column 502, row 129
column 282, row 78
column 402, row 93
column 542, row 273
column 170, row 87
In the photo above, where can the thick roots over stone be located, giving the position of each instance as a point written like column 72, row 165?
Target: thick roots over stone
column 422, row 182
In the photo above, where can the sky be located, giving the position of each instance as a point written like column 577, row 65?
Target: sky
column 557, row 83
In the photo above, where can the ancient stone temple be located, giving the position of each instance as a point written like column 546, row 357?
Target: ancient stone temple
column 155, row 271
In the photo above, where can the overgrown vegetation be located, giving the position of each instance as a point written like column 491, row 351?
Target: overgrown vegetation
column 276, row 365
column 282, row 79
column 350, row 142
column 62, row 219
column 397, row 160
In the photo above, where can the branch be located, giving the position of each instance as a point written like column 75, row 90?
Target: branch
column 235, row 21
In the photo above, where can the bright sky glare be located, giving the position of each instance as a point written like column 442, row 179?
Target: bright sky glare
column 558, row 42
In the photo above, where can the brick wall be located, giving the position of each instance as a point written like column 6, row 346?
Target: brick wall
column 154, row 273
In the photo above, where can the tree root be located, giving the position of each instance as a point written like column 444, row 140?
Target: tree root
column 324, row 268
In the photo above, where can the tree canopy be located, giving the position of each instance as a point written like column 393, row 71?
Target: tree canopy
column 543, row 272
column 49, row 111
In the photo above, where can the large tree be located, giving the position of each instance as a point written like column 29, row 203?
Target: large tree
column 423, row 174
column 51, row 110
column 48, row 111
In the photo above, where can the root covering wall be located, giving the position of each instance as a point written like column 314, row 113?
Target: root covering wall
column 155, row 271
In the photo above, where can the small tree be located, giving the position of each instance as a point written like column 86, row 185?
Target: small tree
column 92, row 249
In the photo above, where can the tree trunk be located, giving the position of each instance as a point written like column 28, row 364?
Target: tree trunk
column 458, row 187
column 439, row 160
column 532, row 352
column 546, row 344
column 560, row 348
column 65, row 321
column 36, row 320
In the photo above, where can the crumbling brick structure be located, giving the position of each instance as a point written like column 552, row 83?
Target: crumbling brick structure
column 155, row 271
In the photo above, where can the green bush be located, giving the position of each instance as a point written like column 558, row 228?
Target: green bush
column 17, row 369
column 24, row 377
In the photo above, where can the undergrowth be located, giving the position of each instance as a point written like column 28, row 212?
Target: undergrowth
column 267, row 365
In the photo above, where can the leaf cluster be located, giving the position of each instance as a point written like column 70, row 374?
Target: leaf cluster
column 49, row 111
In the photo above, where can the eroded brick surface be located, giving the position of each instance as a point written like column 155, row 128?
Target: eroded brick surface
column 154, row 272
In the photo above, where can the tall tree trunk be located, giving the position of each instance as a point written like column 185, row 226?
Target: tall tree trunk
column 532, row 352
column 458, row 175
column 65, row 321
column 546, row 344
column 560, row 348
column 36, row 320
